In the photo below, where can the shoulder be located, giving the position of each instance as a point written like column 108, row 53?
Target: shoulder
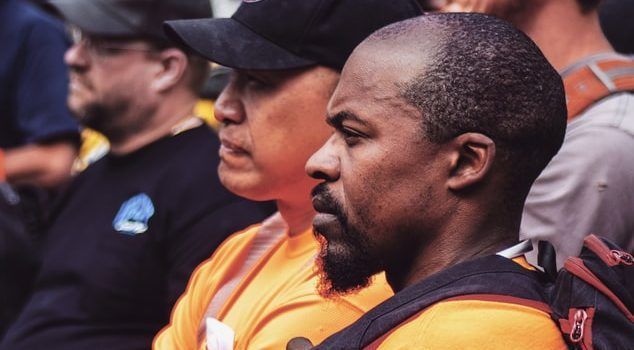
column 227, row 253
column 601, row 139
column 612, row 116
column 192, row 150
column 473, row 324
column 34, row 22
column 193, row 161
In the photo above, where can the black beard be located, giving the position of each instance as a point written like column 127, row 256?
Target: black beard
column 346, row 264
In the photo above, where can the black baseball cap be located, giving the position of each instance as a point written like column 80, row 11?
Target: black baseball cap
column 128, row 18
column 286, row 34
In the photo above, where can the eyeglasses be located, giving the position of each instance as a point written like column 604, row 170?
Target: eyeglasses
column 103, row 47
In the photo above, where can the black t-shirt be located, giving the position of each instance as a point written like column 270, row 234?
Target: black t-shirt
column 122, row 246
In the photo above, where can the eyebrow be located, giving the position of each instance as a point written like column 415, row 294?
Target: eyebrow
column 338, row 119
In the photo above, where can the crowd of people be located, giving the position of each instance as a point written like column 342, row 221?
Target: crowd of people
column 379, row 175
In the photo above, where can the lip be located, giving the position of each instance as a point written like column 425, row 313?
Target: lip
column 321, row 205
column 230, row 146
column 76, row 83
column 326, row 225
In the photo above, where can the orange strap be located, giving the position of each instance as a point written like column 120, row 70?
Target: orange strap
column 596, row 79
column 3, row 172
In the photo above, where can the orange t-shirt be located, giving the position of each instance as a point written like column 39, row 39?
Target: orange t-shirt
column 477, row 325
column 275, row 301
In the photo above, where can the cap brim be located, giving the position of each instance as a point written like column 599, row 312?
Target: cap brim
column 92, row 18
column 231, row 44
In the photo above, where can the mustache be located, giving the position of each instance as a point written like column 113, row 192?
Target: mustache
column 328, row 203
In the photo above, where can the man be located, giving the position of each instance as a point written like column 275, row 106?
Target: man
column 441, row 123
column 132, row 226
column 589, row 185
column 258, row 290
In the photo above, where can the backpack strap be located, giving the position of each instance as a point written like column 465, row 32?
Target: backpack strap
column 596, row 78
column 486, row 275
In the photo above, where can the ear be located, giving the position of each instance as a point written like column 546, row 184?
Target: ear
column 472, row 156
column 172, row 66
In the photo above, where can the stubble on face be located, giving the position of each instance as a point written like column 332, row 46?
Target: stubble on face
column 344, row 262
column 104, row 91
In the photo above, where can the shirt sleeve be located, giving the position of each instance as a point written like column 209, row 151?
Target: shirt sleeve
column 588, row 187
column 42, row 87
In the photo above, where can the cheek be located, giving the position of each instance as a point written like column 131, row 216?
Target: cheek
column 284, row 138
column 379, row 193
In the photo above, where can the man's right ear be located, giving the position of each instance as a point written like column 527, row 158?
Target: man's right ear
column 472, row 156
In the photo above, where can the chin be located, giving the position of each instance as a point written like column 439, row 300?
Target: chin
column 244, row 186
column 76, row 107
column 343, row 269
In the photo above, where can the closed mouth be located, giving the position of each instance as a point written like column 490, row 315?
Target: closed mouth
column 231, row 146
column 321, row 206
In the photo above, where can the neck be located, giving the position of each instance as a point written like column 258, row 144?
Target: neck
column 458, row 241
column 152, row 127
column 297, row 214
column 577, row 36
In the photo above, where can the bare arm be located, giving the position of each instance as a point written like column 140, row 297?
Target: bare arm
column 45, row 165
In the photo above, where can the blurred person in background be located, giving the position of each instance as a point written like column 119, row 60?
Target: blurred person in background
column 38, row 141
column 588, row 187
column 131, row 228
column 38, row 136
column 258, row 290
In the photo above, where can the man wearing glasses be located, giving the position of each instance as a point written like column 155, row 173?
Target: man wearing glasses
column 134, row 224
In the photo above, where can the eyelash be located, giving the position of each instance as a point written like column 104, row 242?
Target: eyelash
column 253, row 79
column 350, row 137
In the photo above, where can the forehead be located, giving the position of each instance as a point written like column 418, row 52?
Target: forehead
column 372, row 82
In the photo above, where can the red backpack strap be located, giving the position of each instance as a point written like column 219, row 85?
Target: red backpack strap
column 596, row 78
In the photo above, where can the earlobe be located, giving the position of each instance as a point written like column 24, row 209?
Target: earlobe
column 472, row 158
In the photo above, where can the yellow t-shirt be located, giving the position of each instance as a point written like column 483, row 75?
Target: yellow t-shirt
column 274, row 302
column 478, row 325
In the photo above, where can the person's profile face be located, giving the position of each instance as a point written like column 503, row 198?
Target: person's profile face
column 107, row 76
column 378, row 171
column 272, row 121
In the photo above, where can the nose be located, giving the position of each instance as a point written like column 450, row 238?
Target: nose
column 228, row 108
column 75, row 57
column 324, row 164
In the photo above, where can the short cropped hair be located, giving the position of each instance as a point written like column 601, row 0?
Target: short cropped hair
column 485, row 76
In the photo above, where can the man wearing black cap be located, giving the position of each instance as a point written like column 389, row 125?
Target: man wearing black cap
column 258, row 291
column 134, row 224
